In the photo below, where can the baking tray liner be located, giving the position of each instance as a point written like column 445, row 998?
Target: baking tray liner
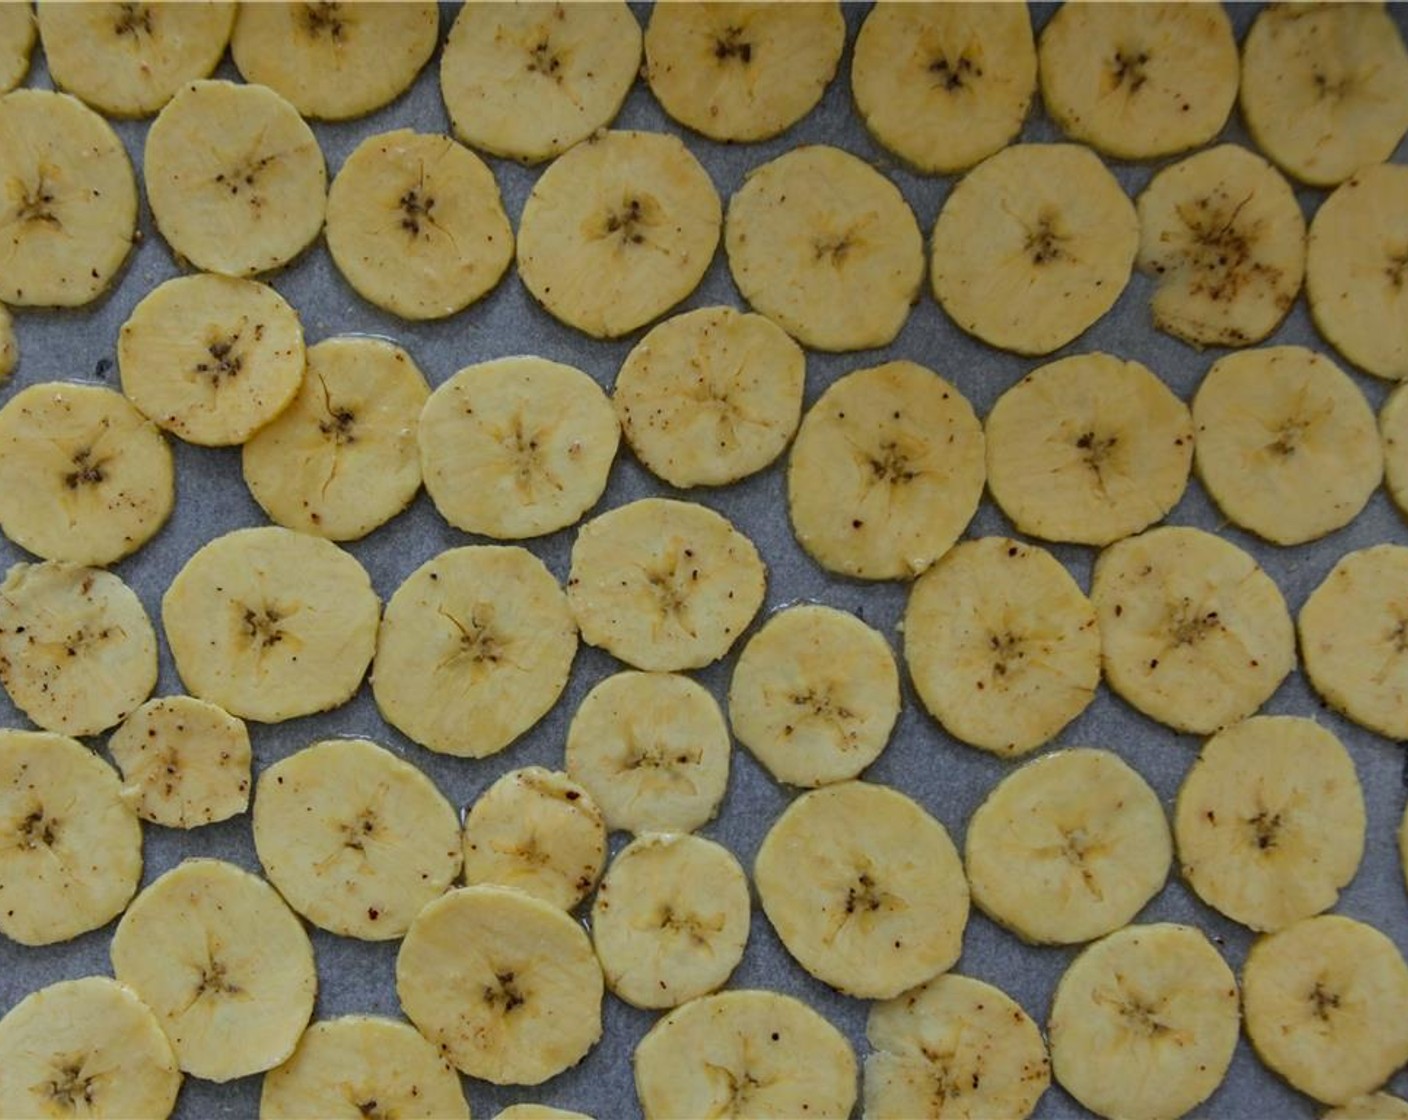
column 949, row 779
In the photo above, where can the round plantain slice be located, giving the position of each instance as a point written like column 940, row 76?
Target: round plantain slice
column 670, row 920
column 1088, row 449
column 354, row 838
column 528, row 81
column 517, row 447
column 84, row 476
column 475, row 647
column 653, row 751
column 1144, row 1023
column 210, row 358
column 1001, row 644
column 416, row 224
column 826, row 247
column 1356, row 270
column 539, row 832
column 1324, row 1001
column 1033, row 246
column 1393, row 430
column 341, row 459
column 864, row 888
column 1325, row 88
column 954, row 1046
column 184, row 762
column 128, row 60
column 1193, row 632
column 1138, row 81
column 814, row 695
column 1222, row 234
column 334, row 61
column 1270, row 821
column 70, row 846
column 69, row 210
column 664, row 585
column 77, row 651
column 86, row 1047
column 235, row 178
column 886, row 472
column 363, row 1066
column 1068, row 848
column 1287, row 445
column 710, row 396
column 618, row 231
column 944, row 86
column 9, row 345
column 1354, row 638
column 224, row 964
column 742, row 71
column 745, row 1053
column 506, row 985
column 271, row 624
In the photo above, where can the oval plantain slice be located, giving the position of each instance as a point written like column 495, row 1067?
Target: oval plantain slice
column 1088, row 449
column 517, row 447
column 1325, row 88
column 211, row 358
column 710, row 396
column 528, row 81
column 1324, row 1001
column 864, row 888
column 1287, row 445
column 742, row 71
column 224, row 964
column 77, row 651
column 1144, row 1023
column 128, row 60
column 69, row 210
column 475, row 647
column 1068, row 848
column 670, row 920
column 70, row 846
column 664, row 585
column 86, row 1047
column 363, row 1066
column 1193, row 632
column 184, row 762
column 1001, row 644
column 1137, row 81
column 1222, row 234
column 341, row 459
column 17, row 35
column 653, row 751
column 539, row 832
column 354, row 838
column 618, row 231
column 826, row 247
column 1270, row 821
column 814, row 695
column 953, row 1047
column 1354, row 638
column 334, row 61
column 886, row 472
column 235, row 178
column 1393, row 431
column 506, row 985
column 745, row 1053
column 944, row 86
column 1033, row 246
column 416, row 224
column 1356, row 270
column 271, row 624
column 84, row 476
